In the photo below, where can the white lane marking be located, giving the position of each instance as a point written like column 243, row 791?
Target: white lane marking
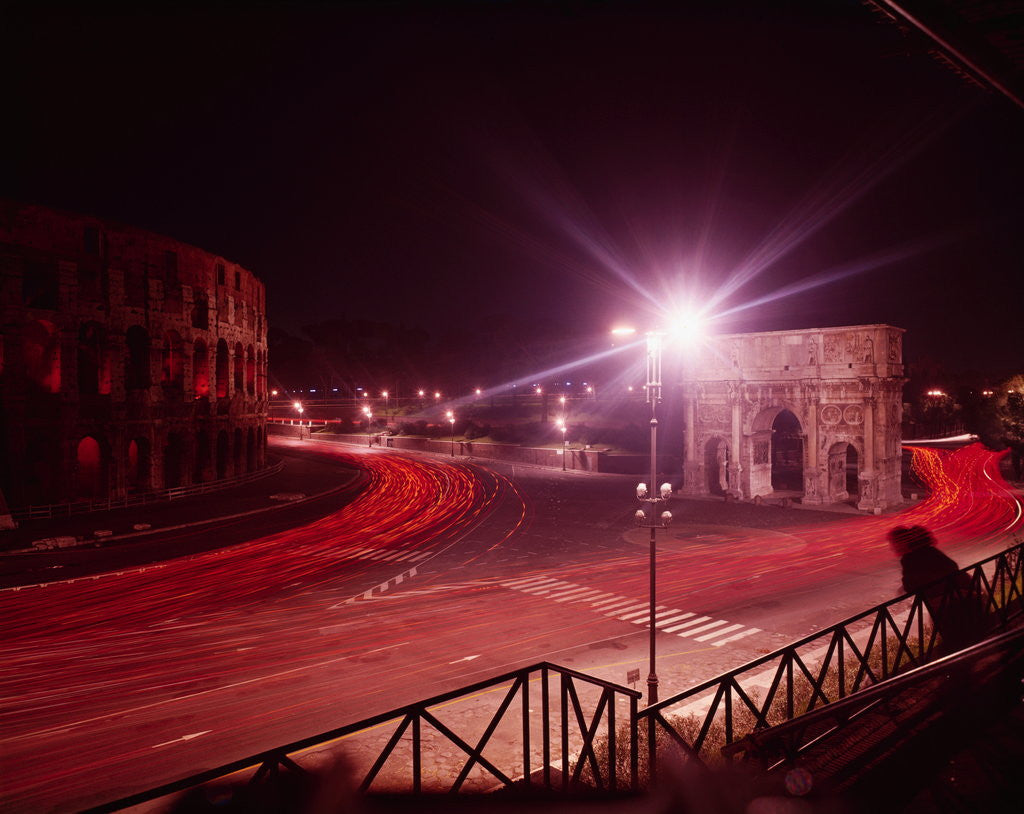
column 612, row 603
column 515, row 583
column 579, row 597
column 182, row 738
column 671, row 619
column 645, row 612
column 702, row 628
column 749, row 631
column 674, row 628
column 657, row 616
column 715, row 633
column 545, row 589
column 619, row 611
column 465, row 658
column 570, row 593
column 627, row 610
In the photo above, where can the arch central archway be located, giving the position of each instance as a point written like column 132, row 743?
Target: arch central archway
column 777, row 452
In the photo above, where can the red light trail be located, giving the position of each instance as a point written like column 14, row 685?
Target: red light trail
column 234, row 650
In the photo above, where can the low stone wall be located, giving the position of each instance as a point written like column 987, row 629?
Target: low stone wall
column 587, row 460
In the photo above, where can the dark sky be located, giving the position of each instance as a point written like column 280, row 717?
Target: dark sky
column 434, row 163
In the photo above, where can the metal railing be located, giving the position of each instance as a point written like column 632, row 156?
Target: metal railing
column 141, row 498
column 588, row 709
column 833, row 664
column 878, row 706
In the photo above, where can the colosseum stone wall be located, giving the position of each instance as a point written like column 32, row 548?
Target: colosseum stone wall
column 129, row 362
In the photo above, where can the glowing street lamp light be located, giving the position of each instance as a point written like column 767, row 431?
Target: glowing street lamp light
column 451, row 420
column 384, row 394
column 437, row 395
column 421, row 394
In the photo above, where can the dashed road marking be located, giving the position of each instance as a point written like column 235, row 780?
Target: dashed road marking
column 684, row 624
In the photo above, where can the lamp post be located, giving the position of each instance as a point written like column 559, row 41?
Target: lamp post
column 451, row 420
column 385, row 395
column 653, row 387
column 653, row 520
column 369, row 436
column 563, row 428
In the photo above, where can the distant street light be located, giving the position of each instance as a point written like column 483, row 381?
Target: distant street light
column 385, row 395
column 451, row 419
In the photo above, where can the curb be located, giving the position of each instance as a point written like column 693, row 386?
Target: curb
column 131, row 535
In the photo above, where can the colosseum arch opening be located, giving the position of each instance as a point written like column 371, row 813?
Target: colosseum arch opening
column 137, row 370
column 812, row 414
column 41, row 355
column 222, row 369
column 93, row 360
column 91, row 469
column 200, row 370
column 139, row 463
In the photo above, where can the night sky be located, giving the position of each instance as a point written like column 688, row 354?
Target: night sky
column 591, row 163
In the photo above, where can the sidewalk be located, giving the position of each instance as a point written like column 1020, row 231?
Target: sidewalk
column 302, row 477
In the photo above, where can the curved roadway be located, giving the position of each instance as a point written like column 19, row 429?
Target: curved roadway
column 437, row 574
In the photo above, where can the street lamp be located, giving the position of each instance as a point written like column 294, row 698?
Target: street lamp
column 563, row 428
column 369, row 436
column 653, row 387
column 451, row 420
column 384, row 393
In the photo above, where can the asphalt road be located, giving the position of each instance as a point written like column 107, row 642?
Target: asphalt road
column 436, row 574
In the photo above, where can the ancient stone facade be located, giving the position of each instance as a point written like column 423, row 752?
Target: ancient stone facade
column 129, row 362
column 823, row 406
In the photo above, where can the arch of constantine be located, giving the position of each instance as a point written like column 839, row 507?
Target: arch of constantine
column 813, row 414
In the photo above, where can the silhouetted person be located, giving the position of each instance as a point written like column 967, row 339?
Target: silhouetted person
column 945, row 591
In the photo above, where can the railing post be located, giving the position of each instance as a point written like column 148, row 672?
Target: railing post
column 545, row 704
column 417, row 763
column 612, row 757
column 564, row 692
column 526, row 729
column 634, row 746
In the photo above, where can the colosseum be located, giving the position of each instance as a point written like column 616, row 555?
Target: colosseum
column 130, row 363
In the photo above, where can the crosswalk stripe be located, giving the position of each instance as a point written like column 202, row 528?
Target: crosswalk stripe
column 702, row 628
column 674, row 628
column 749, row 631
column 619, row 611
column 672, row 619
column 525, row 581
column 576, row 589
column 611, row 603
column 537, row 582
column 656, row 616
column 544, row 589
column 666, row 620
column 578, row 597
column 716, row 633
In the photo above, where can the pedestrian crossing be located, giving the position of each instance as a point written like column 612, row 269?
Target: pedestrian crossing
column 685, row 624
column 388, row 555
